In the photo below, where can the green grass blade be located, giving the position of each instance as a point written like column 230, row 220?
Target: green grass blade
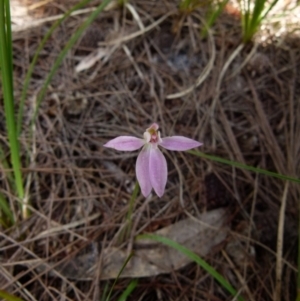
column 132, row 200
column 122, row 3
column 64, row 52
column 104, row 292
column 6, row 169
column 214, row 14
column 125, row 233
column 208, row 268
column 7, row 86
column 251, row 19
column 258, row 8
column 4, row 207
column 129, row 289
column 185, row 4
column 35, row 58
column 9, row 38
column 265, row 13
column 244, row 166
column 8, row 297
column 256, row 15
column 118, row 276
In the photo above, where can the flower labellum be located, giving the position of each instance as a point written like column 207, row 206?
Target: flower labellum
column 151, row 165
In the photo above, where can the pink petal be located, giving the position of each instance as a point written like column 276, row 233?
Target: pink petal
column 142, row 170
column 125, row 143
column 158, row 171
column 179, row 143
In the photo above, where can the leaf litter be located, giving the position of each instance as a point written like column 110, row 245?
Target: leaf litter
column 79, row 192
column 200, row 235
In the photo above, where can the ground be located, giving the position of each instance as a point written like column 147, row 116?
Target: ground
column 243, row 108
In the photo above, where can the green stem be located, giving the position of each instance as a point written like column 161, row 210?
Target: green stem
column 244, row 166
column 7, row 83
column 125, row 233
column 118, row 276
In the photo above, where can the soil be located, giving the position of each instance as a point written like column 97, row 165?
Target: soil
column 248, row 113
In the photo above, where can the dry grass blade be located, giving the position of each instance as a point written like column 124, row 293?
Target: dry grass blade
column 239, row 276
column 39, row 22
column 234, row 54
column 140, row 32
column 135, row 15
column 204, row 73
column 280, row 237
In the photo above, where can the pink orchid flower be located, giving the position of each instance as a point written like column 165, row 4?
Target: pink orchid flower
column 151, row 165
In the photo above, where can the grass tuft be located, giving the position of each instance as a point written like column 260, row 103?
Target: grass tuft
column 253, row 13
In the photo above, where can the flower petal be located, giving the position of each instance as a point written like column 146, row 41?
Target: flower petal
column 179, row 143
column 125, row 143
column 142, row 170
column 158, row 171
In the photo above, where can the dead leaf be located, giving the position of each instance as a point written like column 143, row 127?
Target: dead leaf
column 151, row 258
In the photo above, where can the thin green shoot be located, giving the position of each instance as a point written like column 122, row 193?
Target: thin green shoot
column 7, row 85
column 6, row 214
column 9, row 38
column 118, row 276
column 7, row 219
column 104, row 292
column 213, row 14
column 122, row 2
column 202, row 263
column 252, row 17
column 64, row 52
column 125, row 233
column 35, row 58
column 187, row 6
column 129, row 289
column 8, row 297
column 7, row 169
column 244, row 166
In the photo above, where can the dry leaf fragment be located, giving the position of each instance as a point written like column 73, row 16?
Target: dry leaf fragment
column 91, row 59
column 150, row 258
